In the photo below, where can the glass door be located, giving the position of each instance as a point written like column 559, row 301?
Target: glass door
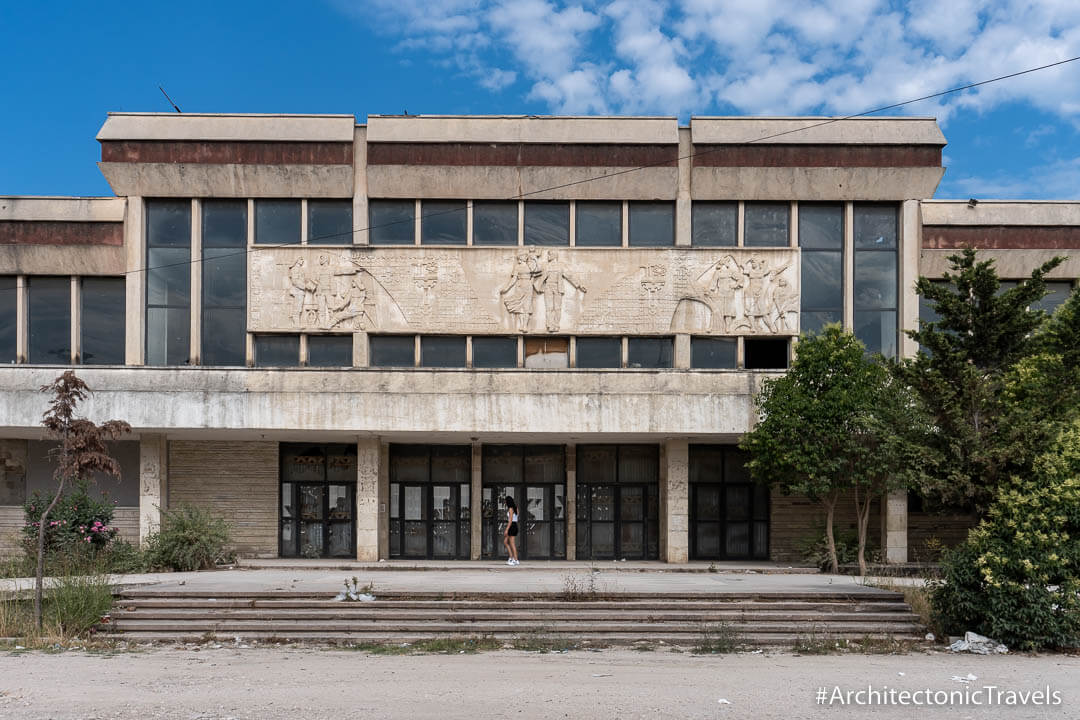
column 318, row 501
column 429, row 501
column 534, row 476
column 729, row 513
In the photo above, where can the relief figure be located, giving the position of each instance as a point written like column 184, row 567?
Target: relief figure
column 517, row 294
column 549, row 283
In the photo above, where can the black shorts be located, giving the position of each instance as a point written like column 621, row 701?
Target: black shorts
column 513, row 531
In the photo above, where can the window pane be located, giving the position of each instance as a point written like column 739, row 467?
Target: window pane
column 330, row 350
column 767, row 225
column 224, row 223
column 330, row 222
column 168, row 332
column 821, row 226
column 8, row 319
column 495, row 223
column 442, row 351
column 714, row 224
column 502, row 465
column 224, row 336
column 168, row 276
column 392, row 222
column 706, row 465
column 875, row 227
column 639, row 464
column 494, row 352
column 1056, row 295
column 598, row 224
column 443, row 222
column 224, row 277
column 50, row 320
column 392, row 350
column 409, row 463
column 277, row 350
column 813, row 322
column 595, row 465
column 713, row 353
column 766, row 353
column 544, row 465
column 599, row 352
column 822, row 280
column 877, row 330
column 168, row 223
column 652, row 224
column 103, row 319
column 547, row 353
column 875, row 280
column 547, row 223
column 735, row 466
column 277, row 222
column 649, row 353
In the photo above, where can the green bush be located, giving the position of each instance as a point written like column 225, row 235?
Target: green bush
column 122, row 556
column 190, row 539
column 1016, row 578
column 75, row 603
column 78, row 518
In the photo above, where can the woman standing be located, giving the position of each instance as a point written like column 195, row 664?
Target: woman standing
column 511, row 531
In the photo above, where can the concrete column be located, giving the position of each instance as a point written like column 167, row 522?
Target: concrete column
column 367, row 499
column 910, row 247
column 683, row 214
column 675, row 501
column 360, row 200
column 894, row 539
column 360, row 349
column 476, row 495
column 153, row 482
column 571, row 502
column 135, row 283
column 681, row 361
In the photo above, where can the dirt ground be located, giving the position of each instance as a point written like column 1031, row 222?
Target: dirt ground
column 307, row 683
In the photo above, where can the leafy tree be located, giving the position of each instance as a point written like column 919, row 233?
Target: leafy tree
column 962, row 370
column 82, row 452
column 830, row 426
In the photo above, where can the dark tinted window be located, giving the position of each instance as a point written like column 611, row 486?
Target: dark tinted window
column 438, row 351
column 8, row 319
column 443, row 222
column 875, row 227
column 766, row 353
column 715, row 224
column 168, row 282
column 330, row 350
column 713, row 353
column 392, row 222
column 50, row 320
column 766, row 225
column 495, row 223
column 876, row 273
column 599, row 352
column 821, row 237
column 598, row 224
column 330, row 222
column 821, row 226
column 277, row 350
column 494, row 352
column 392, row 350
column 168, row 223
column 224, row 223
column 1056, row 295
column 649, row 352
column 224, row 282
column 547, row 223
column 277, row 222
column 102, row 319
column 652, row 224
column 224, row 336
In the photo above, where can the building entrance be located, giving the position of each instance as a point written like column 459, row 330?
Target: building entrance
column 535, row 476
column 318, row 500
column 617, row 502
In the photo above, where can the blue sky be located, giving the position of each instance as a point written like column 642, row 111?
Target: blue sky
column 65, row 65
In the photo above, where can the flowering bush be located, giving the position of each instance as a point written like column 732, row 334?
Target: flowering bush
column 1017, row 577
column 78, row 518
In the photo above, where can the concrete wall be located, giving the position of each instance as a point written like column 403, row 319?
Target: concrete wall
column 235, row 480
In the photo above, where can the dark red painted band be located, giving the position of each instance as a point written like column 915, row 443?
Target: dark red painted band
column 1001, row 237
column 216, row 152
column 522, row 154
column 743, row 155
column 39, row 232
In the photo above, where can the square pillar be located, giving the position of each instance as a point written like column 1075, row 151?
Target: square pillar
column 675, row 501
column 476, row 495
column 153, row 483
column 367, row 499
column 894, row 524
column 570, row 502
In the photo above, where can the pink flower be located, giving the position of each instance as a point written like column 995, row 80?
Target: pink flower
column 87, row 538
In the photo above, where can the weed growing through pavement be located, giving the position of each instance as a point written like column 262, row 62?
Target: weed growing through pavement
column 717, row 639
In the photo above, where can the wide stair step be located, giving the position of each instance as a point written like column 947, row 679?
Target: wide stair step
column 689, row 619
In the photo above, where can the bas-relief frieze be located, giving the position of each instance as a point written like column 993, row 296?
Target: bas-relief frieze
column 532, row 289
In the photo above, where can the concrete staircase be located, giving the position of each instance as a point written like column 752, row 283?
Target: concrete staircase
column 142, row 615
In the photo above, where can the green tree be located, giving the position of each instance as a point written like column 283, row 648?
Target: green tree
column 831, row 426
column 966, row 360
column 81, row 453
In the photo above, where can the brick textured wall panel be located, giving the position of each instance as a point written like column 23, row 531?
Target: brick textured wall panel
column 792, row 519
column 798, row 155
column 522, row 155
column 43, row 232
column 1001, row 237
column 235, row 480
column 226, row 153
column 11, row 522
column 946, row 531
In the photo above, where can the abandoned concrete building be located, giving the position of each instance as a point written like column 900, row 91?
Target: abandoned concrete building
column 352, row 340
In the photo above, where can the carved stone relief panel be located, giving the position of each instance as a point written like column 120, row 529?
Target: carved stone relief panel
column 528, row 290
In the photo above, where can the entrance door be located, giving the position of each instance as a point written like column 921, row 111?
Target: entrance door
column 729, row 514
column 318, row 500
column 429, row 501
column 617, row 521
column 535, row 476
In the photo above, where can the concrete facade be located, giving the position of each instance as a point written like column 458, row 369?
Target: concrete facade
column 430, row 284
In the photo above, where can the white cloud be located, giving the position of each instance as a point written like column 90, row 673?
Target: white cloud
column 1059, row 180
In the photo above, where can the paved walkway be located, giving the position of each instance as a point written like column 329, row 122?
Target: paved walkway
column 488, row 577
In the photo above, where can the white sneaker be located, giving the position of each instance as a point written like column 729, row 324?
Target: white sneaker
column 510, row 561
column 517, row 562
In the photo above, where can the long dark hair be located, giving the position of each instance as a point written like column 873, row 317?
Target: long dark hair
column 510, row 503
